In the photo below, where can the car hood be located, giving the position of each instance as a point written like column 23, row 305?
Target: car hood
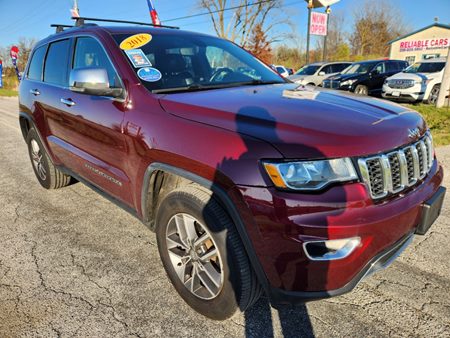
column 302, row 123
column 343, row 77
column 298, row 78
column 414, row 76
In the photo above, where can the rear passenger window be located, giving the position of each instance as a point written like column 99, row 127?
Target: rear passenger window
column 36, row 64
column 392, row 66
column 90, row 54
column 56, row 63
column 339, row 67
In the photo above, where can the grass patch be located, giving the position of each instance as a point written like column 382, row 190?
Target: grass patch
column 438, row 120
column 7, row 92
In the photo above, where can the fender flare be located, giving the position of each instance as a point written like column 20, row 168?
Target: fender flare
column 221, row 196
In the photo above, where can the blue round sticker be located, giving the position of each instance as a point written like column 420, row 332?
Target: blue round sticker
column 149, row 74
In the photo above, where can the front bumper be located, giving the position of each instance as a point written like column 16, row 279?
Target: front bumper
column 283, row 221
column 412, row 94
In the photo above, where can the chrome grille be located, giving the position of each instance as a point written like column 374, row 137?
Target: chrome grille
column 392, row 172
column 400, row 84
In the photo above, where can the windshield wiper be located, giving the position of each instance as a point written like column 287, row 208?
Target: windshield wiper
column 198, row 87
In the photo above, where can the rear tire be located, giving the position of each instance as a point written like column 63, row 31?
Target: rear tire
column 362, row 90
column 47, row 174
column 235, row 285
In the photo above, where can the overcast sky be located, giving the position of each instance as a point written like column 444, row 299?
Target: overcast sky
column 32, row 18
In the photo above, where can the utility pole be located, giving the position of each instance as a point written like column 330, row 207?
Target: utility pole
column 324, row 56
column 445, row 84
column 310, row 6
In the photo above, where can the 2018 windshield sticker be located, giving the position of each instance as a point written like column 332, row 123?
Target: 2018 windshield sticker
column 149, row 74
column 135, row 41
column 138, row 58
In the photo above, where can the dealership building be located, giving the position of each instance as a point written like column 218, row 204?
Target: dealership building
column 429, row 42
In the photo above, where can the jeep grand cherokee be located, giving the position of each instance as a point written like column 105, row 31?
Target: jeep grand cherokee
column 251, row 184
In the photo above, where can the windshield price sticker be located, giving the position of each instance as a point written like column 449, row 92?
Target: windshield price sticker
column 135, row 41
column 138, row 58
column 149, row 74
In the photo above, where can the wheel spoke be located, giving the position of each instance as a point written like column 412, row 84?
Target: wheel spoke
column 208, row 255
column 174, row 241
column 186, row 228
column 203, row 238
column 179, row 263
column 208, row 279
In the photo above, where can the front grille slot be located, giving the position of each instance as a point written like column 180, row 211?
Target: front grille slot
column 393, row 172
column 394, row 161
column 376, row 176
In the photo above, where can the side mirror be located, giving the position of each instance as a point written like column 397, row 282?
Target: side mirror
column 374, row 72
column 322, row 73
column 92, row 81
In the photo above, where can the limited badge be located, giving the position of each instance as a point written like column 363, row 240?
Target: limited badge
column 149, row 74
column 138, row 58
column 135, row 41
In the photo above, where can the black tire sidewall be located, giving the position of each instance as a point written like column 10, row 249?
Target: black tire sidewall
column 32, row 135
column 226, row 303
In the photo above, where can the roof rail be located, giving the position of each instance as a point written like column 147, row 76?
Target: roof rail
column 60, row 28
column 80, row 21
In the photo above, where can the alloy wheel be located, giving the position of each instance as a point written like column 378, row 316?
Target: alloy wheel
column 194, row 256
column 434, row 95
column 37, row 159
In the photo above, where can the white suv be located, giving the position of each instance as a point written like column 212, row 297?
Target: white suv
column 419, row 82
column 315, row 73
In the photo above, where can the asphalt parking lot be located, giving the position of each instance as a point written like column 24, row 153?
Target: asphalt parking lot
column 74, row 265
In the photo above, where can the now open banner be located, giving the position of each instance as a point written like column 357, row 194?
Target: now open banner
column 319, row 22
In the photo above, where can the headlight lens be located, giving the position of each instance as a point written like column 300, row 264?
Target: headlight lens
column 310, row 175
column 347, row 83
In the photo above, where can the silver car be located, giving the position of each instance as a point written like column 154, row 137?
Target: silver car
column 315, row 73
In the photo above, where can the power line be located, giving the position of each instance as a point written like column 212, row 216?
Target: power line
column 218, row 11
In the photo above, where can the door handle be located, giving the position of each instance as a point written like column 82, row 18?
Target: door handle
column 68, row 102
column 35, row 92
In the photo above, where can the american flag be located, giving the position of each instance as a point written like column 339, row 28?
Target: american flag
column 153, row 13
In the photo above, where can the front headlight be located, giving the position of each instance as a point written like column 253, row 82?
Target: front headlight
column 310, row 175
column 347, row 83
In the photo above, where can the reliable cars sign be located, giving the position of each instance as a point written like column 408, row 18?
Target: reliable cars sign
column 425, row 44
column 1, row 74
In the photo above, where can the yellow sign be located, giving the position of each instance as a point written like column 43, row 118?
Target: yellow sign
column 135, row 41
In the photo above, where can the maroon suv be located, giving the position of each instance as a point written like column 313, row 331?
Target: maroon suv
column 251, row 184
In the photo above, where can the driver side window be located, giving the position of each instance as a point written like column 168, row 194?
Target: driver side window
column 380, row 68
column 90, row 54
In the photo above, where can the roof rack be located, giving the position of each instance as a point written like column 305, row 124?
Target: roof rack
column 60, row 28
column 80, row 21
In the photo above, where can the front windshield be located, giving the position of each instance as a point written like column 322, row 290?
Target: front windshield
column 425, row 67
column 172, row 61
column 307, row 70
column 358, row 68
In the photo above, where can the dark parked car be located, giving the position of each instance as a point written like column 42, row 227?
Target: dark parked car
column 251, row 184
column 366, row 77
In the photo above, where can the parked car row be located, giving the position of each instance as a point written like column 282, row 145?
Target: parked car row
column 392, row 79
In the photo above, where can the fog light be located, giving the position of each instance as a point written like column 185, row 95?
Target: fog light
column 332, row 249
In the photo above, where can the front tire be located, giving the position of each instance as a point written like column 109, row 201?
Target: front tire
column 362, row 90
column 46, row 173
column 203, row 255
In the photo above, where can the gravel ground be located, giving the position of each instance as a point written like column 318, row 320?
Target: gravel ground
column 73, row 264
